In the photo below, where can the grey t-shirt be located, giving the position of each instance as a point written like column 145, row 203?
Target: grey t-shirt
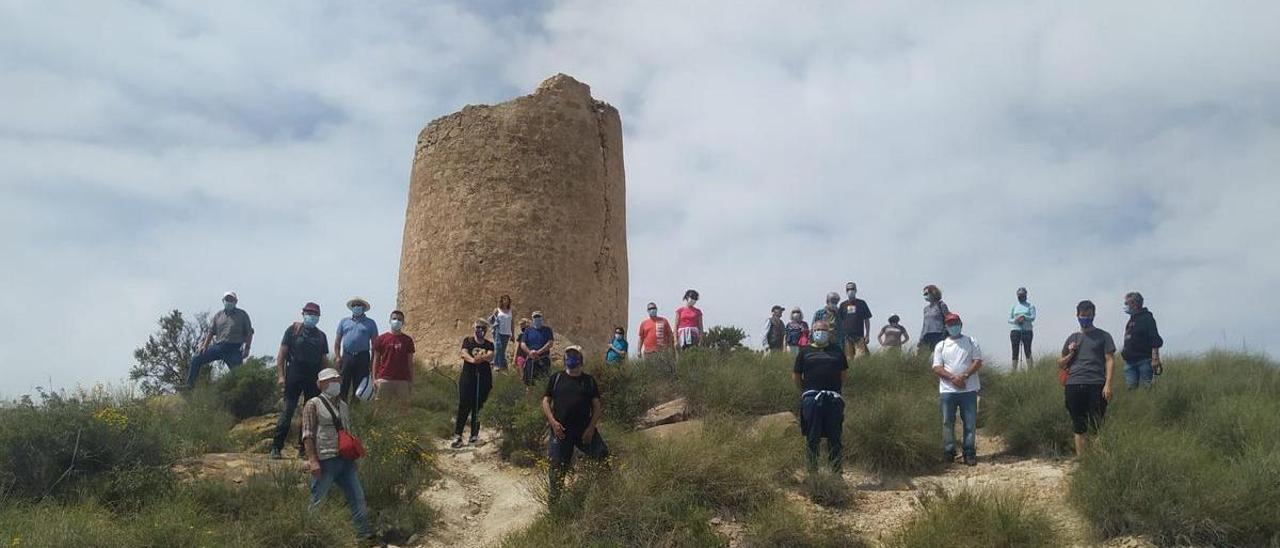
column 1090, row 365
column 231, row 327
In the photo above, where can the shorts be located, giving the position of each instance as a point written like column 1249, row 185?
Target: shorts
column 1086, row 406
column 385, row 389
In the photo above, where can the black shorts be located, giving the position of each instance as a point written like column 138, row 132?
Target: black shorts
column 1086, row 406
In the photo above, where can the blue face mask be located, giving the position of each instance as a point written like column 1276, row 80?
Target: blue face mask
column 228, row 305
column 1085, row 322
column 572, row 361
column 954, row 330
column 357, row 310
column 820, row 338
column 617, row 336
column 1130, row 310
column 310, row 320
column 537, row 323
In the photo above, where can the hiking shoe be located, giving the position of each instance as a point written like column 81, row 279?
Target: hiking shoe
column 457, row 443
column 474, row 440
column 971, row 460
column 275, row 454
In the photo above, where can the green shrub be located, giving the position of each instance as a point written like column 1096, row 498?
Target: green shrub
column 399, row 464
column 199, row 424
column 784, row 525
column 631, row 388
column 893, row 433
column 518, row 414
column 1027, row 409
column 52, row 448
column 724, row 338
column 977, row 519
column 738, row 382
column 827, row 489
column 248, row 390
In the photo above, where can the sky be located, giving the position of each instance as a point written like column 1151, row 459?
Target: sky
column 154, row 154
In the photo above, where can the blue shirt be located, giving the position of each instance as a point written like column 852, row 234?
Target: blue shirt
column 356, row 334
column 1027, row 310
column 612, row 355
column 536, row 338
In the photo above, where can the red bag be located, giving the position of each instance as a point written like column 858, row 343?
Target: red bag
column 349, row 446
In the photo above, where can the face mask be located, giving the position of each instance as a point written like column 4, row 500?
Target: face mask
column 796, row 317
column 228, row 306
column 833, row 302
column 537, row 323
column 953, row 330
column 396, row 325
column 1022, row 298
column 357, row 310
column 617, row 336
column 310, row 320
column 852, row 294
column 653, row 313
column 333, row 389
column 1086, row 322
column 928, row 298
column 572, row 362
column 820, row 338
column 479, row 334
column 1130, row 310
column 691, row 302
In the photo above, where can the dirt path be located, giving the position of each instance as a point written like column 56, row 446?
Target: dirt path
column 480, row 498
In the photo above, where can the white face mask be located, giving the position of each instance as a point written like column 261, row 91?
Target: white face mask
column 333, row 389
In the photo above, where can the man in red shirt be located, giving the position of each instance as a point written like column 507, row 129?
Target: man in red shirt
column 393, row 366
column 655, row 333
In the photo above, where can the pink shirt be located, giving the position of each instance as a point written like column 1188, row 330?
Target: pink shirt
column 688, row 316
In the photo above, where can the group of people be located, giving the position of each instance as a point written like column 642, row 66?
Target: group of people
column 1086, row 363
column 370, row 365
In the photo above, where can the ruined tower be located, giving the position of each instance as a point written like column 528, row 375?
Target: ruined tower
column 525, row 198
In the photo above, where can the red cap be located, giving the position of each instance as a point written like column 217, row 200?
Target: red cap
column 312, row 308
column 951, row 318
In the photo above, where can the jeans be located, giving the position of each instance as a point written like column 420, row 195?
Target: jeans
column 560, row 455
column 473, row 390
column 500, row 351
column 298, row 381
column 1138, row 373
column 355, row 369
column 341, row 472
column 967, row 402
column 1018, row 337
column 228, row 353
column 822, row 416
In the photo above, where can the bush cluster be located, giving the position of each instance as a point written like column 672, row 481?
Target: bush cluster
column 976, row 519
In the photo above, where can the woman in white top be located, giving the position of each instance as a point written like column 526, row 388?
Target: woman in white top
column 501, row 322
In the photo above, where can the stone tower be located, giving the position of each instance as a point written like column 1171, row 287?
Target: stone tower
column 525, row 198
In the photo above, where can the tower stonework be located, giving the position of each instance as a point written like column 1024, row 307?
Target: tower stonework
column 525, row 198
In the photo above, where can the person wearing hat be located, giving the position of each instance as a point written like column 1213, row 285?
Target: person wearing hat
column 956, row 362
column 1022, row 315
column 573, row 409
column 775, row 334
column 475, row 382
column 655, row 333
column 537, row 343
column 353, row 346
column 820, row 371
column 855, row 322
column 320, row 438
column 830, row 313
column 229, row 339
column 304, row 351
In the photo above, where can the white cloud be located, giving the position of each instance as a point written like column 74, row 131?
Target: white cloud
column 155, row 155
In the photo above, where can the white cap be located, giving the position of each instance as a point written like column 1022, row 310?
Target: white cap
column 328, row 373
column 231, row 294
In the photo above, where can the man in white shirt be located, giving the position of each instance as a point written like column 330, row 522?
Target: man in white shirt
column 956, row 361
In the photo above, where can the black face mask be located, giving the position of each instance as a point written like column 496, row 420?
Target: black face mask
column 1022, row 298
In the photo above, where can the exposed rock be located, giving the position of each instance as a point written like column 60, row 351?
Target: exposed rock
column 673, row 411
column 525, row 198
column 675, row 429
column 237, row 467
column 256, row 428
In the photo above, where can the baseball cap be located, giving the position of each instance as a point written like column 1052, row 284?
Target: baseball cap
column 312, row 308
column 536, row 314
column 230, row 295
column 951, row 318
column 328, row 373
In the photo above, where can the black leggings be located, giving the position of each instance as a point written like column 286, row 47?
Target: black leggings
column 1019, row 337
column 473, row 390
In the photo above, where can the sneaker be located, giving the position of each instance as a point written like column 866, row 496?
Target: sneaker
column 474, row 440
column 971, row 460
column 275, row 454
column 457, row 443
